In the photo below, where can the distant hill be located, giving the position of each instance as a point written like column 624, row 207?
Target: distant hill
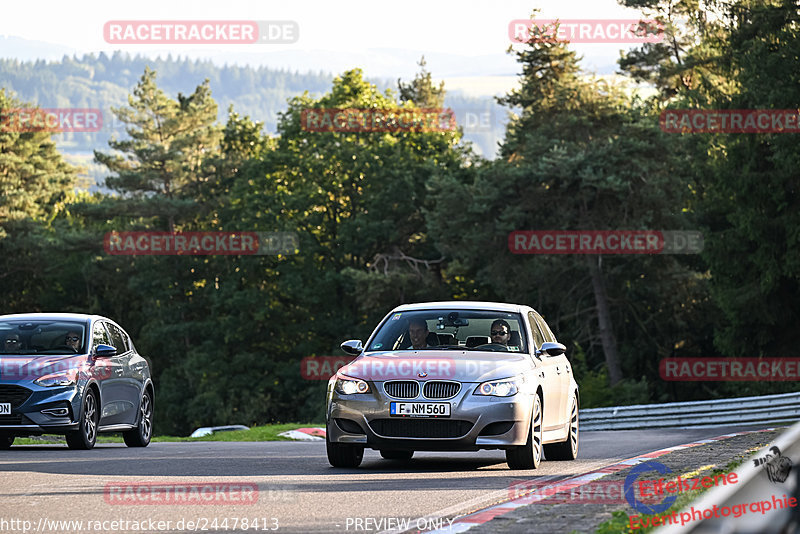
column 101, row 81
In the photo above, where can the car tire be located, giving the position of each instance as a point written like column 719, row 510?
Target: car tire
column 6, row 441
column 529, row 456
column 140, row 436
column 568, row 449
column 396, row 455
column 86, row 436
column 343, row 454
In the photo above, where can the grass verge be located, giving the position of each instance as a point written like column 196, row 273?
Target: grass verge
column 256, row 433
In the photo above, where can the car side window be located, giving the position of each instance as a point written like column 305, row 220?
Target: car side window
column 99, row 335
column 117, row 338
column 548, row 334
column 537, row 335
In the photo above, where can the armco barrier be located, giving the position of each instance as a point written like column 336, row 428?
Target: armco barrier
column 767, row 410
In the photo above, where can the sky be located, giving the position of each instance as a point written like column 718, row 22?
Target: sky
column 461, row 39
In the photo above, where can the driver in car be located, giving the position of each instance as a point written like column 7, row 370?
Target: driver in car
column 73, row 340
column 501, row 332
column 418, row 331
column 12, row 343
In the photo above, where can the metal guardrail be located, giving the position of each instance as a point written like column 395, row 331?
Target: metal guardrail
column 754, row 490
column 766, row 410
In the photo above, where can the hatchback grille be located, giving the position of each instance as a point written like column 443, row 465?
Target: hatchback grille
column 16, row 395
column 435, row 389
column 10, row 420
column 402, row 389
column 419, row 428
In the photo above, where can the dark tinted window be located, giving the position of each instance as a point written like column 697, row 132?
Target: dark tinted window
column 448, row 329
column 537, row 335
column 41, row 337
column 118, row 340
column 99, row 335
column 548, row 335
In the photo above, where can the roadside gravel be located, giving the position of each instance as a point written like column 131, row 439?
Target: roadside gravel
column 582, row 517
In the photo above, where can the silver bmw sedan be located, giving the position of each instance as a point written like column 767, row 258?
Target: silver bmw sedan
column 455, row 376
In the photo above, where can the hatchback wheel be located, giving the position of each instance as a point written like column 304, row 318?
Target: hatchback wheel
column 397, row 455
column 343, row 454
column 529, row 456
column 140, row 436
column 566, row 450
column 85, row 437
column 6, row 441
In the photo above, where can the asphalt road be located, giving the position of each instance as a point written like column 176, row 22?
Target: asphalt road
column 216, row 486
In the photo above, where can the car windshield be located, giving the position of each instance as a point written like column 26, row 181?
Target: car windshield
column 451, row 329
column 42, row 337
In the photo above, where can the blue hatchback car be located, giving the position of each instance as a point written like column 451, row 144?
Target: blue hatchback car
column 72, row 374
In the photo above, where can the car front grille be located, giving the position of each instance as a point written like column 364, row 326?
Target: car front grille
column 420, row 428
column 436, row 389
column 16, row 395
column 402, row 389
column 10, row 420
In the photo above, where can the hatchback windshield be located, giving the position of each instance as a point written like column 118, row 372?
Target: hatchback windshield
column 451, row 329
column 42, row 337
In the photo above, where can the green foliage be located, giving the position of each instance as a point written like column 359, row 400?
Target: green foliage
column 386, row 218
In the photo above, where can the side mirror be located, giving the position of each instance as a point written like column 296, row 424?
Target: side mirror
column 353, row 347
column 105, row 351
column 551, row 349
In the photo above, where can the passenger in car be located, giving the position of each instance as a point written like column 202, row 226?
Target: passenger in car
column 501, row 332
column 73, row 340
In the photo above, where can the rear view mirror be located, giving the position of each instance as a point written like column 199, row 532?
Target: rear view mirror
column 452, row 319
column 353, row 347
column 105, row 351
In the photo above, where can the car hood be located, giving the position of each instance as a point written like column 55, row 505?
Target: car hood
column 462, row 366
column 13, row 368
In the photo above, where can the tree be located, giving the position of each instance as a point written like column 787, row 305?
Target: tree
column 35, row 184
column 581, row 156
column 169, row 139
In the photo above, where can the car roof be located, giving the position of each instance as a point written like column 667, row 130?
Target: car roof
column 51, row 317
column 463, row 305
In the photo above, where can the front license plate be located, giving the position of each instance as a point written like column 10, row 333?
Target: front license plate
column 419, row 409
column 5, row 408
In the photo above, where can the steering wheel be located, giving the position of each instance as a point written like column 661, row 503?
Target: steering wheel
column 492, row 347
column 67, row 347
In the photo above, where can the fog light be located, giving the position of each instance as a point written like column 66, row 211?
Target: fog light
column 56, row 412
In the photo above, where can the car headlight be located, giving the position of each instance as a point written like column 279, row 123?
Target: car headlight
column 349, row 386
column 69, row 378
column 500, row 388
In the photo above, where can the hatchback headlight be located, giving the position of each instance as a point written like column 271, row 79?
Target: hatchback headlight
column 350, row 386
column 68, row 378
column 500, row 388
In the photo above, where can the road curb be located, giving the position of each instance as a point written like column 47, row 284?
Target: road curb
column 539, row 493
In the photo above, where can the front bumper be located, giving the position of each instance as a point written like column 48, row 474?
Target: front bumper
column 476, row 422
column 27, row 402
